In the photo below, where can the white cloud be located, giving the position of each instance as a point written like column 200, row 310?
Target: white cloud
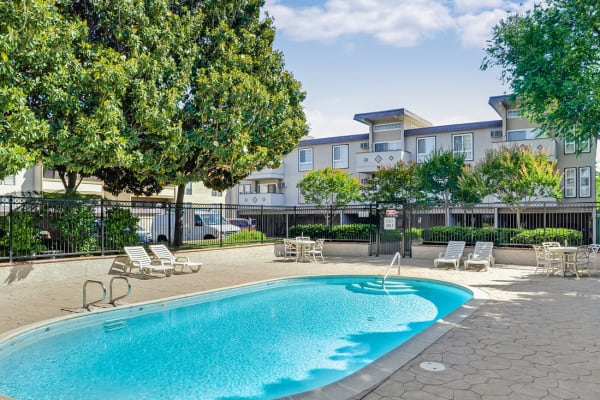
column 400, row 23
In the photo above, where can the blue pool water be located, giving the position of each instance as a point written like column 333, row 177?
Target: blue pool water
column 260, row 341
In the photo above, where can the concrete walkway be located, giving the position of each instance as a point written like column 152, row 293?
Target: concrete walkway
column 535, row 338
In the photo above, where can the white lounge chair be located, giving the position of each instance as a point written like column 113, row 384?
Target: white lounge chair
column 138, row 258
column 163, row 253
column 452, row 255
column 481, row 255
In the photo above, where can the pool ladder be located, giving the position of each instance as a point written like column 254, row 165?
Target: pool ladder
column 112, row 301
column 396, row 257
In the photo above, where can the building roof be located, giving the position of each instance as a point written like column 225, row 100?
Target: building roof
column 334, row 139
column 454, row 127
column 370, row 117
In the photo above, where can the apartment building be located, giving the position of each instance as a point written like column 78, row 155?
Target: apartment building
column 400, row 135
column 40, row 180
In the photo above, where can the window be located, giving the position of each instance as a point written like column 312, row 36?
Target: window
column 512, row 113
column 188, row 188
column 216, row 193
column 425, row 147
column 340, row 156
column 387, row 146
column 267, row 188
column 463, row 144
column 8, row 180
column 245, row 188
column 585, row 183
column 387, row 127
column 525, row 134
column 573, row 147
column 570, row 182
column 305, row 159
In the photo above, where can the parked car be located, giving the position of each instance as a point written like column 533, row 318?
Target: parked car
column 143, row 235
column 243, row 223
column 202, row 226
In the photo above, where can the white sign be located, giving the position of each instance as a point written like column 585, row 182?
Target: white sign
column 389, row 223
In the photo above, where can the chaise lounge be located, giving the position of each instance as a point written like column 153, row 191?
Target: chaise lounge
column 452, row 255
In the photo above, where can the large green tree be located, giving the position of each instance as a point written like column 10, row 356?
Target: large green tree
column 439, row 175
column 145, row 93
column 550, row 56
column 330, row 189
column 517, row 176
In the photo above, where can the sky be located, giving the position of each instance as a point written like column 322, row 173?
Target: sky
column 357, row 56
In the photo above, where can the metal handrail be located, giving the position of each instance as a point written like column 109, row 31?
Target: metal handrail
column 87, row 305
column 112, row 301
column 396, row 257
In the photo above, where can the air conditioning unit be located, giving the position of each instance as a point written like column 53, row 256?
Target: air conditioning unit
column 496, row 134
column 364, row 145
column 282, row 185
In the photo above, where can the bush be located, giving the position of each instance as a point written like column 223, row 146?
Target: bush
column 120, row 229
column 74, row 224
column 501, row 236
column 26, row 238
column 338, row 232
column 246, row 236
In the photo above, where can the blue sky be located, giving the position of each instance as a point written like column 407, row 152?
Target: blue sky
column 356, row 56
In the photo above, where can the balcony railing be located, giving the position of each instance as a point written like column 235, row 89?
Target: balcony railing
column 262, row 199
column 547, row 145
column 267, row 173
column 372, row 161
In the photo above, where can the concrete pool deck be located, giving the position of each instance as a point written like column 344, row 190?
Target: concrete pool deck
column 534, row 338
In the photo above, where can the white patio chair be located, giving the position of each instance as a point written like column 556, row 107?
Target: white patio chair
column 163, row 253
column 545, row 260
column 453, row 254
column 593, row 254
column 290, row 250
column 579, row 261
column 316, row 250
column 138, row 258
column 481, row 255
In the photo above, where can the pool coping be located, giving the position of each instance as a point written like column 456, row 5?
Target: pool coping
column 354, row 384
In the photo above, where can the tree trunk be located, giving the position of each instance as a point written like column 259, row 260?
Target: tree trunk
column 178, row 234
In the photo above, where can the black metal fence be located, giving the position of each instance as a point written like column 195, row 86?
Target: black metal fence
column 33, row 227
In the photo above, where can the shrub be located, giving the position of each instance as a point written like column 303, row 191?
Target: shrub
column 26, row 239
column 246, row 236
column 339, row 232
column 501, row 236
column 120, row 229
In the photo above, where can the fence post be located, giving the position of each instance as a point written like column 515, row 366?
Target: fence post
column 102, row 244
column 171, row 232
column 10, row 229
column 262, row 220
column 221, row 225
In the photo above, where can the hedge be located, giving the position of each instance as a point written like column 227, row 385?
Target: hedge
column 502, row 236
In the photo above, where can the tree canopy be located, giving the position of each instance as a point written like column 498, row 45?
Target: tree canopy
column 144, row 94
column 399, row 184
column 550, row 56
column 517, row 176
column 329, row 189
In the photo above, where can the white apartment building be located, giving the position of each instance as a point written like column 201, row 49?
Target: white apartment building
column 40, row 180
column 400, row 135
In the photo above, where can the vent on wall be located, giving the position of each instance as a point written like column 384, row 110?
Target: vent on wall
column 364, row 145
column 496, row 134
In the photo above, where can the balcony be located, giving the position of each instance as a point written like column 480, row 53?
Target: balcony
column 371, row 162
column 548, row 145
column 267, row 173
column 87, row 186
column 261, row 199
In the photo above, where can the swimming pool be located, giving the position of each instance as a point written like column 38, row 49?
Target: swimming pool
column 260, row 341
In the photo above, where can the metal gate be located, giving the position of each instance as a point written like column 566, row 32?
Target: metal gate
column 393, row 230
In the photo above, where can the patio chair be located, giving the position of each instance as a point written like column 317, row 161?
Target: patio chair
column 545, row 260
column 290, row 250
column 481, row 255
column 551, row 244
column 161, row 252
column 452, row 255
column 580, row 261
column 138, row 258
column 316, row 250
column 593, row 255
